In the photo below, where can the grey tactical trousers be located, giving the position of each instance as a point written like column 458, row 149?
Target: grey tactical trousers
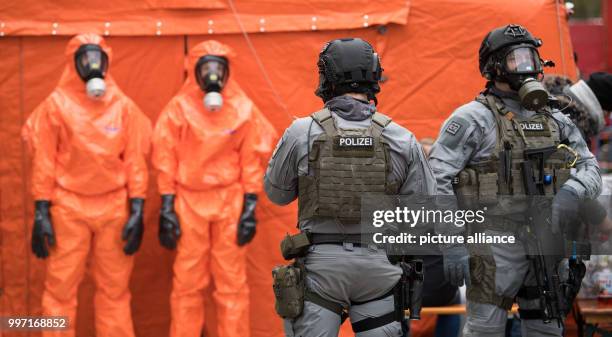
column 512, row 270
column 346, row 274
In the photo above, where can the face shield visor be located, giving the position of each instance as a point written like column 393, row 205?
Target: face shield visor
column 523, row 71
column 523, row 61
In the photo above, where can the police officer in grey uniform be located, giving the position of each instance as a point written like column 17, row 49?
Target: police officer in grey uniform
column 328, row 161
column 507, row 121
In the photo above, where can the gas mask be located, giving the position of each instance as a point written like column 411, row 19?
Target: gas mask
column 91, row 64
column 522, row 69
column 211, row 73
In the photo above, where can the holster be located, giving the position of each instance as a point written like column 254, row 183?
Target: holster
column 408, row 294
column 289, row 289
column 571, row 287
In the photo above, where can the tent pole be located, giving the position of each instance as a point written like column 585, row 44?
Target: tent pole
column 606, row 14
column 561, row 47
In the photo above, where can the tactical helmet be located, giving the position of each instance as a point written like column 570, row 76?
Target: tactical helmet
column 348, row 65
column 499, row 42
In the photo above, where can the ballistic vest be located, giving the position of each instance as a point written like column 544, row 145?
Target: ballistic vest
column 346, row 164
column 529, row 158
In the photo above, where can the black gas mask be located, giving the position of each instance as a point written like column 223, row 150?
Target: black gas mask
column 211, row 73
column 91, row 64
column 521, row 67
column 509, row 54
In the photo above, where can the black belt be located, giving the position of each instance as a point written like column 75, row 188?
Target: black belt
column 338, row 239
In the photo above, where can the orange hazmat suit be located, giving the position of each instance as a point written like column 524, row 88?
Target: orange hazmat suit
column 209, row 160
column 89, row 156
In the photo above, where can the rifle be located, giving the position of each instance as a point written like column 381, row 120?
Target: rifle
column 545, row 266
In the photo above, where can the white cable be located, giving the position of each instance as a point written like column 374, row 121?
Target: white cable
column 259, row 63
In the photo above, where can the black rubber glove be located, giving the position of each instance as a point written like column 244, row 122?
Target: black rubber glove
column 42, row 232
column 134, row 228
column 456, row 265
column 169, row 227
column 247, row 223
column 565, row 209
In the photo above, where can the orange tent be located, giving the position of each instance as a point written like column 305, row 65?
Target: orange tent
column 428, row 50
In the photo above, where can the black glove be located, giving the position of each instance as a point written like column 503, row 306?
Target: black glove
column 565, row 209
column 42, row 230
column 248, row 223
column 134, row 228
column 456, row 265
column 169, row 227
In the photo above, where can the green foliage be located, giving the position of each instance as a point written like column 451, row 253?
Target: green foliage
column 586, row 9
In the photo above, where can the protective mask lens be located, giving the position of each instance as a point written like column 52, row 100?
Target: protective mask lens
column 91, row 62
column 522, row 61
column 211, row 74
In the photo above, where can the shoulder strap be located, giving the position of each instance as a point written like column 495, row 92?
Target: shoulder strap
column 499, row 111
column 379, row 122
column 324, row 119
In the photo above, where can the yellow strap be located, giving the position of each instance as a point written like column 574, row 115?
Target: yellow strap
column 572, row 152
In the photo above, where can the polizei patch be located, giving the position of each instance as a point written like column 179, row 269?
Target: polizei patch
column 355, row 141
column 535, row 128
column 354, row 145
column 532, row 126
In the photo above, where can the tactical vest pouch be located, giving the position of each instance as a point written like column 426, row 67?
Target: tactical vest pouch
column 487, row 188
column 465, row 185
column 308, row 194
column 561, row 177
column 549, row 188
column 289, row 290
column 518, row 187
column 293, row 246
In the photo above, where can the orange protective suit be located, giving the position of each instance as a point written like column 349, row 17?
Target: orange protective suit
column 88, row 157
column 209, row 160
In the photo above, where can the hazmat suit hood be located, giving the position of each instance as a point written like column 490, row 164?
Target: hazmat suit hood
column 209, row 47
column 71, row 84
column 237, row 106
